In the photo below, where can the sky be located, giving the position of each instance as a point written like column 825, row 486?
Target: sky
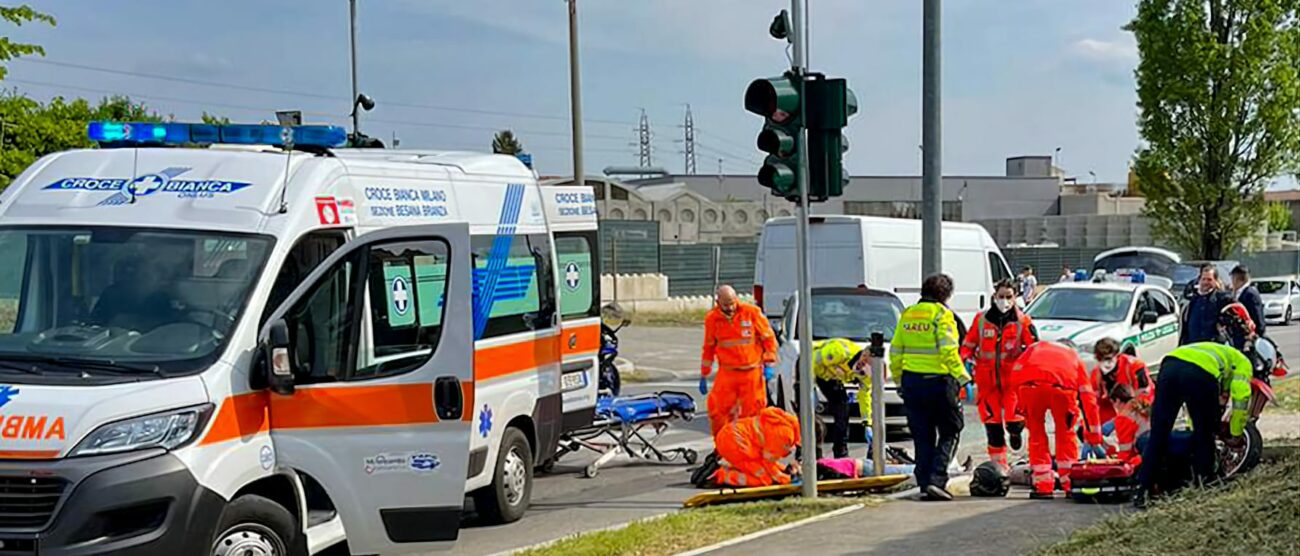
column 1020, row 77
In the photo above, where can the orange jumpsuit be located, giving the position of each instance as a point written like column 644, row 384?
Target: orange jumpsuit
column 1129, row 371
column 751, row 449
column 1052, row 377
column 741, row 345
column 994, row 341
column 1130, row 423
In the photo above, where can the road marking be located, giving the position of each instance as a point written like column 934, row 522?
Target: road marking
column 772, row 531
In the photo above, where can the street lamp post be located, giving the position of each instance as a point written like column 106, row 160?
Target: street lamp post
column 575, row 101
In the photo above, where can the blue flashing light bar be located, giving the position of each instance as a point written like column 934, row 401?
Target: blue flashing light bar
column 144, row 133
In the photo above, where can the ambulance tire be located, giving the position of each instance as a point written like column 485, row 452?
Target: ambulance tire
column 252, row 522
column 507, row 498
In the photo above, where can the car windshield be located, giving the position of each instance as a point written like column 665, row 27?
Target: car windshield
column 1185, row 274
column 122, row 300
column 854, row 316
column 1152, row 263
column 1270, row 286
column 1082, row 304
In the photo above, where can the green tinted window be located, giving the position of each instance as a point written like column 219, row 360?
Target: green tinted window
column 578, row 279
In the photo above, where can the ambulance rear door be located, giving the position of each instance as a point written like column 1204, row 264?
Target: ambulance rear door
column 380, row 344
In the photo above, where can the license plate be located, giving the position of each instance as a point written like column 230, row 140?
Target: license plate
column 573, row 381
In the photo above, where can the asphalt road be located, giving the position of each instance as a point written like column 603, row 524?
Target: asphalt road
column 565, row 503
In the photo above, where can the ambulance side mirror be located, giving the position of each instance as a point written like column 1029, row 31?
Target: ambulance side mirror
column 279, row 368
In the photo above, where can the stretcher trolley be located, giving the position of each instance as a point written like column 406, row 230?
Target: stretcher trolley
column 630, row 425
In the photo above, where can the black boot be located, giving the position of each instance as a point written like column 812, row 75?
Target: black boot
column 1013, row 435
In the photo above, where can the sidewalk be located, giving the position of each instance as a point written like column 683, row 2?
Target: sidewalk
column 965, row 526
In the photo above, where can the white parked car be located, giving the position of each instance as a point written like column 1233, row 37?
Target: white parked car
column 1281, row 299
column 1143, row 318
column 850, row 313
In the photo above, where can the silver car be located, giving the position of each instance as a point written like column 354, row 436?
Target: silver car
column 1281, row 299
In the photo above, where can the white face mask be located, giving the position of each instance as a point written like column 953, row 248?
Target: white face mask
column 1107, row 366
column 1004, row 305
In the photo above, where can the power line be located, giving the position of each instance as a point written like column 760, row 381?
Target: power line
column 726, row 154
column 724, row 140
column 264, row 110
column 341, row 99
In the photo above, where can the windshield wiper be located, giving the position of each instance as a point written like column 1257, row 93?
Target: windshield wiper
column 86, row 364
column 33, row 370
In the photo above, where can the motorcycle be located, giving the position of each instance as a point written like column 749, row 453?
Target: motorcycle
column 609, row 379
column 1268, row 363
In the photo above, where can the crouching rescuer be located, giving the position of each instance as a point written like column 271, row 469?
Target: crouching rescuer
column 751, row 450
column 837, row 362
column 1052, row 377
column 1197, row 376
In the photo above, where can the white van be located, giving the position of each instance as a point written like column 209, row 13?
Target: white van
column 234, row 350
column 877, row 253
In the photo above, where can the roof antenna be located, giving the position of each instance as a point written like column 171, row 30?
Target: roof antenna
column 129, row 188
column 286, row 137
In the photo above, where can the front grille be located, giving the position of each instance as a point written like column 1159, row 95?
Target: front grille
column 27, row 502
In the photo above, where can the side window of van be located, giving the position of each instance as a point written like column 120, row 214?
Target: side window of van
column 375, row 314
column 407, row 284
column 998, row 268
column 306, row 255
column 579, row 274
column 514, row 287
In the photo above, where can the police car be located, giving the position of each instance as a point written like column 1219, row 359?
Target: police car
column 1142, row 317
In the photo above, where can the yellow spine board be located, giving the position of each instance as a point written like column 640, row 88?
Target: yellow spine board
column 726, row 495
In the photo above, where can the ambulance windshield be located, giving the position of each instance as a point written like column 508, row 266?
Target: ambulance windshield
column 114, row 300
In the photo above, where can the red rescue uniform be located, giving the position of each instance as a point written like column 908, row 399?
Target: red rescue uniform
column 993, row 343
column 751, row 449
column 1130, row 422
column 741, row 344
column 1129, row 371
column 1052, row 377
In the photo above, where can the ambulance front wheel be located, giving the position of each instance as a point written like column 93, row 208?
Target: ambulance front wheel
column 255, row 526
column 507, row 498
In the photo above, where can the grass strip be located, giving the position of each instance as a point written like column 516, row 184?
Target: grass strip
column 691, row 529
column 1288, row 394
column 1256, row 514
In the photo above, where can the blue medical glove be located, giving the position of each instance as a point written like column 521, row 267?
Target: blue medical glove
column 769, row 373
column 704, row 385
column 1108, row 428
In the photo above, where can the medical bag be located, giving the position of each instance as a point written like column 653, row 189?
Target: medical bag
column 1102, row 480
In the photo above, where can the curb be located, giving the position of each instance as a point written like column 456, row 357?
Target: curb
column 772, row 531
column 574, row 535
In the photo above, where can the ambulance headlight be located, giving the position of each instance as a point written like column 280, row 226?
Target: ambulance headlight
column 168, row 430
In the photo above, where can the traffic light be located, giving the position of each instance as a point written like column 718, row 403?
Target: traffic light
column 830, row 104
column 777, row 100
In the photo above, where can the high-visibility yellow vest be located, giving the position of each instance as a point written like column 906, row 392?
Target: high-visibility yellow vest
column 838, row 367
column 1230, row 367
column 926, row 342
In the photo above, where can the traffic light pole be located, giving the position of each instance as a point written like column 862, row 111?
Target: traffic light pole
column 807, row 398
column 931, row 144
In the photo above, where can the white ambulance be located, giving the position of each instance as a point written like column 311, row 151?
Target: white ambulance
column 245, row 349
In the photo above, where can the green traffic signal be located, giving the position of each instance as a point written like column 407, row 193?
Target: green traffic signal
column 830, row 104
column 779, row 176
column 774, row 98
column 777, row 100
column 776, row 141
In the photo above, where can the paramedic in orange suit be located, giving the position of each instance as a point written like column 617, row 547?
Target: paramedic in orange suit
column 739, row 338
column 1052, row 377
column 752, row 448
column 993, row 343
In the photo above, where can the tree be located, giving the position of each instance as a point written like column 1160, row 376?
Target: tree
column 1219, row 102
column 1279, row 217
column 505, row 142
column 18, row 16
column 30, row 129
column 214, row 119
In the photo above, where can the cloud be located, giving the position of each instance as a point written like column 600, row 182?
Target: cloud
column 1105, row 52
